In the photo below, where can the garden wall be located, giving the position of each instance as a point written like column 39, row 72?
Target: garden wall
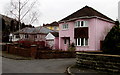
column 25, row 52
column 50, row 54
column 102, row 62
column 34, row 52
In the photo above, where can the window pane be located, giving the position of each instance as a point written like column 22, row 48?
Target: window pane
column 82, row 41
column 75, row 24
column 63, row 26
column 86, row 41
column 78, row 23
column 35, row 36
column 65, row 41
column 82, row 23
column 78, row 41
column 67, row 26
column 85, row 23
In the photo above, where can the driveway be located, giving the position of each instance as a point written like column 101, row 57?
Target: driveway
column 36, row 66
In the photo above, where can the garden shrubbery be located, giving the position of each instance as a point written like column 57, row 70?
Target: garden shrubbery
column 27, row 44
column 111, row 44
column 71, row 47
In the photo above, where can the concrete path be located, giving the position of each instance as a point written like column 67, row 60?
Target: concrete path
column 36, row 66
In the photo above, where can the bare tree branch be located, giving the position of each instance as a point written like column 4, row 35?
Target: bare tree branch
column 21, row 9
column 29, row 9
column 14, row 5
column 14, row 14
column 34, row 20
column 33, row 16
column 24, row 4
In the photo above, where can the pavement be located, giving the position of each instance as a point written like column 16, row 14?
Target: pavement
column 73, row 70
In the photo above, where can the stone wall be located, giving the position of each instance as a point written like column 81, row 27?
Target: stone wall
column 102, row 62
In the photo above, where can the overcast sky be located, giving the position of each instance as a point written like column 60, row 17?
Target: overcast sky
column 55, row 10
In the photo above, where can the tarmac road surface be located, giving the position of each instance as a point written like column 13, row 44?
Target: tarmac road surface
column 36, row 65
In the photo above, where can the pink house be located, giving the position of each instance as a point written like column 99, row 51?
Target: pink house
column 85, row 28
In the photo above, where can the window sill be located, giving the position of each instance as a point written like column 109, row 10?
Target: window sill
column 81, row 27
column 81, row 46
column 64, row 29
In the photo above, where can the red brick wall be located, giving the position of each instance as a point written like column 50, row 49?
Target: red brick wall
column 26, row 52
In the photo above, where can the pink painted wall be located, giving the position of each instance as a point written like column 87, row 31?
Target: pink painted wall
column 97, row 31
column 56, row 43
column 66, row 33
column 102, row 29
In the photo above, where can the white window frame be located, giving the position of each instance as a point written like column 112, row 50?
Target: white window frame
column 26, row 36
column 84, row 42
column 65, row 26
column 35, row 36
column 78, row 24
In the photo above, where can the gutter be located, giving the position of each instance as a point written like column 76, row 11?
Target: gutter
column 88, row 17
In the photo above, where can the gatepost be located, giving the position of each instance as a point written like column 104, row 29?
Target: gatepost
column 33, row 51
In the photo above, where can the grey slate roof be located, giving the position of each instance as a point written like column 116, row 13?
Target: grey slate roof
column 36, row 30
column 25, row 30
column 42, row 30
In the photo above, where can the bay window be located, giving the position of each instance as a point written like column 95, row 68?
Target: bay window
column 81, row 41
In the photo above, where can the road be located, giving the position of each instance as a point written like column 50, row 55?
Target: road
column 36, row 66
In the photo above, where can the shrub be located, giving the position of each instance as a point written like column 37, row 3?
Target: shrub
column 27, row 44
column 71, row 47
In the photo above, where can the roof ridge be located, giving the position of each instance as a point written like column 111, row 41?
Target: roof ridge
column 86, row 11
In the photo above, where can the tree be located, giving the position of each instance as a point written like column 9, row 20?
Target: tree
column 111, row 43
column 22, row 25
column 12, row 26
column 24, row 11
column 3, row 24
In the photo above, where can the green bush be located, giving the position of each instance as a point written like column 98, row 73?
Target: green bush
column 111, row 44
column 71, row 47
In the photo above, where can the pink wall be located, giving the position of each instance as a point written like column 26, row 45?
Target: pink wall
column 66, row 33
column 97, row 31
column 102, row 29
column 56, row 43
